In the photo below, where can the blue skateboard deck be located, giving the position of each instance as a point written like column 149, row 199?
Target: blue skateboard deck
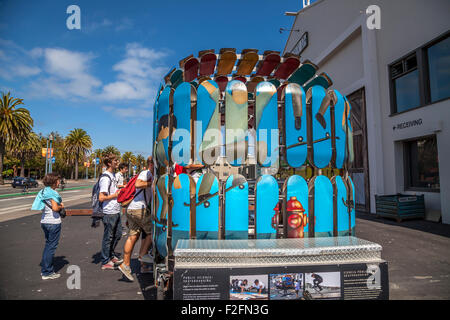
column 347, row 127
column 184, row 98
column 162, row 137
column 208, row 121
column 295, row 125
column 305, row 72
column 350, row 203
column 161, row 210
column 236, row 207
column 266, row 117
column 236, row 122
column 322, row 80
column 183, row 190
column 321, row 136
column 340, row 130
column 296, row 188
column 155, row 114
column 340, row 209
column 266, row 202
column 322, row 192
column 207, row 207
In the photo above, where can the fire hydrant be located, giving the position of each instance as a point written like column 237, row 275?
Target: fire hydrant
column 296, row 218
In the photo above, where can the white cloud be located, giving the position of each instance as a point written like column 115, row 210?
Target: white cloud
column 131, row 114
column 26, row 71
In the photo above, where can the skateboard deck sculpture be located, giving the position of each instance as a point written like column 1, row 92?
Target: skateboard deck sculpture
column 176, row 77
column 321, row 127
column 275, row 82
column 296, row 189
column 286, row 68
column 183, row 190
column 341, row 214
column 236, row 122
column 266, row 118
column 270, row 61
column 226, row 62
column 295, row 125
column 207, row 207
column 208, row 118
column 191, row 66
column 155, row 121
column 322, row 80
column 347, row 127
column 248, row 61
column 236, row 207
column 322, row 192
column 162, row 135
column 222, row 82
column 305, row 72
column 251, row 85
column 207, row 62
column 240, row 78
column 185, row 97
column 161, row 210
column 350, row 203
column 266, row 202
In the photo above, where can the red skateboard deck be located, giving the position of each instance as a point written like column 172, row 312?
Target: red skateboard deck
column 269, row 63
column 190, row 65
column 285, row 69
column 207, row 62
column 222, row 82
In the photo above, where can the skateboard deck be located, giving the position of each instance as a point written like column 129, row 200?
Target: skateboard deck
column 207, row 62
column 275, row 82
column 176, row 78
column 341, row 221
column 161, row 210
column 208, row 118
column 350, row 203
column 240, row 78
column 248, row 61
column 155, row 121
column 162, row 137
column 321, row 136
column 191, row 66
column 322, row 80
column 185, row 97
column 296, row 188
column 207, row 212
column 295, row 125
column 236, row 122
column 270, row 61
column 226, row 62
column 347, row 127
column 305, row 72
column 266, row 202
column 322, row 192
column 222, row 82
column 340, row 130
column 286, row 68
column 183, row 190
column 266, row 117
column 251, row 85
column 236, row 207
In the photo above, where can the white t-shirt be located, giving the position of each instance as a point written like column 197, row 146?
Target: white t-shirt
column 139, row 201
column 109, row 206
column 49, row 216
column 119, row 178
column 259, row 286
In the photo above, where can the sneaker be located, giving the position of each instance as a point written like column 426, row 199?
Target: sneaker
column 126, row 270
column 109, row 266
column 51, row 276
column 116, row 260
column 146, row 258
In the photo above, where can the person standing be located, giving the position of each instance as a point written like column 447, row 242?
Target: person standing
column 139, row 220
column 123, row 169
column 111, row 209
column 50, row 203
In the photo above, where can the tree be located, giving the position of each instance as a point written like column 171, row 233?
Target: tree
column 15, row 124
column 140, row 162
column 24, row 149
column 111, row 149
column 78, row 144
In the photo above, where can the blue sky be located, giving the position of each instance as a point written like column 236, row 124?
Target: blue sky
column 104, row 77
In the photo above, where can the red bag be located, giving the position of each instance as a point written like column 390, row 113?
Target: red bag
column 127, row 193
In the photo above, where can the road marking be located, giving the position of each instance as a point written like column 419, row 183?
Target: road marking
column 34, row 196
column 28, row 206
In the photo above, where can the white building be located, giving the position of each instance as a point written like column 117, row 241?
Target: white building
column 398, row 81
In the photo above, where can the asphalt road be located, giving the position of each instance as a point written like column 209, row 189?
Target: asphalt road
column 416, row 252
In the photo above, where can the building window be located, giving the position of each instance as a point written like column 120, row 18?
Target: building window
column 439, row 70
column 422, row 77
column 422, row 165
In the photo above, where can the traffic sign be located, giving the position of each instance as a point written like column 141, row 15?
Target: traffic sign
column 53, row 159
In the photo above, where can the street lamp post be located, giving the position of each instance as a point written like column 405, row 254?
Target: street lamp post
column 51, row 155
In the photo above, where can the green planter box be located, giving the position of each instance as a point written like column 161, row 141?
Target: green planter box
column 400, row 206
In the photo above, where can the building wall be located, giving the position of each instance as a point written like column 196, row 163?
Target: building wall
column 341, row 45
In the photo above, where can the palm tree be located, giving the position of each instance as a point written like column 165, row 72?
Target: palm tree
column 15, row 123
column 109, row 150
column 140, row 161
column 25, row 149
column 78, row 144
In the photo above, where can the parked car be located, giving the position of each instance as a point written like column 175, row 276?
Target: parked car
column 20, row 182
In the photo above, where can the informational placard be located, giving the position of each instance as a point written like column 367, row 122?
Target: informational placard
column 365, row 281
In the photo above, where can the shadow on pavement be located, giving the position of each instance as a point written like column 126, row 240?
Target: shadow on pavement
column 418, row 224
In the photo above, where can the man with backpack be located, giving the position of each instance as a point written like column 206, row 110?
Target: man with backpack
column 107, row 196
column 139, row 220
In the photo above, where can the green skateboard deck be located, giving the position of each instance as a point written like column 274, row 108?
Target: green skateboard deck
column 305, row 72
column 322, row 80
